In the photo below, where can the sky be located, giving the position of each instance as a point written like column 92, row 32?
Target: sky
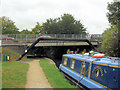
column 25, row 13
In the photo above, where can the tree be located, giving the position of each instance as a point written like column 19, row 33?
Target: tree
column 51, row 26
column 8, row 26
column 66, row 24
column 37, row 29
column 114, row 12
column 25, row 31
column 110, row 43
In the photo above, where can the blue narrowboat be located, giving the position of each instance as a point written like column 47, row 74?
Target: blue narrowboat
column 92, row 72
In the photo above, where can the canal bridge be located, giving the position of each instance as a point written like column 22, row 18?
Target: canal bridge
column 22, row 42
column 28, row 39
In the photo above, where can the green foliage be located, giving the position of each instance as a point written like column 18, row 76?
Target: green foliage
column 25, row 31
column 8, row 26
column 110, row 41
column 66, row 24
column 114, row 12
column 14, row 74
column 110, row 44
column 55, row 77
column 37, row 29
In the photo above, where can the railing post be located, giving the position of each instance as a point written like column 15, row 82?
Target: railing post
column 76, row 36
column 64, row 36
column 36, row 36
column 26, row 37
column 55, row 35
column 72, row 36
column 86, row 36
column 16, row 36
column 6, row 37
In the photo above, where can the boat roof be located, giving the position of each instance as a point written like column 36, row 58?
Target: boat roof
column 104, row 60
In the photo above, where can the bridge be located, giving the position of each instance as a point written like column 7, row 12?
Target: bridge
column 20, row 42
column 53, row 39
column 28, row 39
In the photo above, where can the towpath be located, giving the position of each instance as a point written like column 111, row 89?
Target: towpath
column 36, row 77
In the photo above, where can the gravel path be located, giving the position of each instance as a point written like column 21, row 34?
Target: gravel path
column 36, row 77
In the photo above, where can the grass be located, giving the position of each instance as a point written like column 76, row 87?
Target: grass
column 14, row 74
column 13, row 55
column 55, row 77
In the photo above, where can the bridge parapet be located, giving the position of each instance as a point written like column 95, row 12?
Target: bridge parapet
column 32, row 37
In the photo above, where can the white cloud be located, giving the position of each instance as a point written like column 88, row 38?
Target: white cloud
column 26, row 13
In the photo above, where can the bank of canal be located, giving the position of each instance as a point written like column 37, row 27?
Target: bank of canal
column 53, row 75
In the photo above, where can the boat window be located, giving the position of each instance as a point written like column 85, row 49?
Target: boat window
column 83, row 65
column 97, row 73
column 65, row 61
column 72, row 64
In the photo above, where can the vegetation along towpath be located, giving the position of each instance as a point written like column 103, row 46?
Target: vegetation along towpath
column 36, row 77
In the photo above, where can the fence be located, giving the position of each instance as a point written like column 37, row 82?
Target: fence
column 27, row 37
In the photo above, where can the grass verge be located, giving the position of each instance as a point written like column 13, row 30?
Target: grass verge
column 14, row 74
column 13, row 55
column 55, row 77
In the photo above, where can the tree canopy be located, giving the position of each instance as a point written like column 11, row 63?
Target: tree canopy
column 8, row 26
column 114, row 12
column 66, row 24
column 110, row 41
column 25, row 31
column 111, row 36
column 37, row 29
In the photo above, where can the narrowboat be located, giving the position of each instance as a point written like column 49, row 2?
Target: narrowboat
column 92, row 72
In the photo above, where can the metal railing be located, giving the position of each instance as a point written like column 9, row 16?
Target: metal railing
column 28, row 37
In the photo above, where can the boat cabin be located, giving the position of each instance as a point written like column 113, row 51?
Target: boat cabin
column 92, row 72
